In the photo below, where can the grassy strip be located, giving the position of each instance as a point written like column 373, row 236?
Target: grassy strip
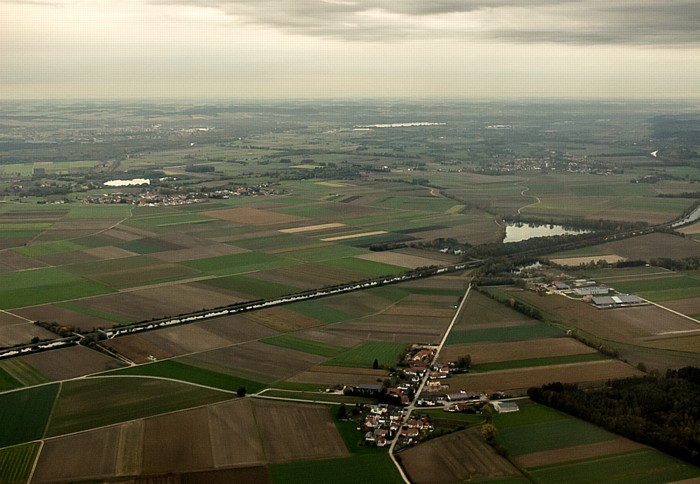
column 645, row 465
column 24, row 414
column 532, row 362
column 346, row 470
column 16, row 462
column 304, row 345
column 363, row 356
column 192, row 374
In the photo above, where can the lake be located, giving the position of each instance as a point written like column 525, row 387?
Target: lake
column 517, row 233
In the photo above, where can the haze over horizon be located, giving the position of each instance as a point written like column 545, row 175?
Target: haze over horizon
column 470, row 49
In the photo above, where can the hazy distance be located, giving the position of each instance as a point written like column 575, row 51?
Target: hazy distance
column 471, row 49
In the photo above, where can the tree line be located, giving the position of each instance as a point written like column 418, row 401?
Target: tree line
column 660, row 411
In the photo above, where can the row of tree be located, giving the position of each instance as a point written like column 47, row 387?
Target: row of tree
column 660, row 411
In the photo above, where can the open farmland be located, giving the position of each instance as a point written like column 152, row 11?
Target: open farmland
column 458, row 457
column 24, row 414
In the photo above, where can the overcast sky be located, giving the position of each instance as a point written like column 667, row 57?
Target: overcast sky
column 471, row 49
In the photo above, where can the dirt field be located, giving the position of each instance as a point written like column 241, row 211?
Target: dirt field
column 109, row 252
column 577, row 261
column 309, row 276
column 235, row 439
column 22, row 333
column 401, row 260
column 71, row 362
column 12, row 261
column 516, row 350
column 261, row 361
column 652, row 246
column 520, row 379
column 64, row 459
column 459, row 457
column 49, row 312
column 394, row 328
column 630, row 325
column 577, row 452
column 292, row 432
column 252, row 216
column 201, row 252
column 334, row 375
column 685, row 306
column 482, row 310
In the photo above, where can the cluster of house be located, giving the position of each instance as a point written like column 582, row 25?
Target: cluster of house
column 384, row 422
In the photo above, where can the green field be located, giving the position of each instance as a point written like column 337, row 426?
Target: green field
column 529, row 414
column 160, row 221
column 364, row 355
column 305, row 345
column 16, row 462
column 647, row 466
column 188, row 373
column 532, row 362
column 513, row 333
column 22, row 372
column 370, row 268
column 24, row 414
column 49, row 248
column 662, row 289
column 7, row 382
column 99, row 401
column 40, row 286
column 348, row 470
column 94, row 312
column 322, row 254
column 238, row 263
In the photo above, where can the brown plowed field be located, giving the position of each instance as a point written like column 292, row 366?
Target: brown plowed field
column 88, row 455
column 429, row 254
column 520, row 379
column 184, row 297
column 515, row 350
column 65, row 258
column 109, row 252
column 281, row 319
column 179, row 340
column 21, row 333
column 292, row 432
column 336, row 375
column 235, row 439
column 336, row 339
column 577, row 452
column 686, row 306
column 441, row 282
column 201, row 252
column 48, row 312
column 372, row 329
column 462, row 456
column 651, row 246
column 252, row 216
column 262, row 361
column 177, row 442
column 12, row 261
column 71, row 362
column 401, row 260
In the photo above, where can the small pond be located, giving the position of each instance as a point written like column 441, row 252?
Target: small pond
column 520, row 232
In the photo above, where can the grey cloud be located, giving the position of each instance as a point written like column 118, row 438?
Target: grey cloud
column 581, row 22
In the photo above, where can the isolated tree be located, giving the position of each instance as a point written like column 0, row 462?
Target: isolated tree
column 488, row 432
column 241, row 391
column 464, row 362
column 375, row 365
column 342, row 412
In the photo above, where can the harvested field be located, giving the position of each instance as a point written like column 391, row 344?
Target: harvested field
column 109, row 252
column 523, row 378
column 577, row 452
column 690, row 229
column 312, row 228
column 515, row 350
column 394, row 328
column 23, row 333
column 440, row 257
column 576, row 261
column 10, row 319
column 257, row 361
column 252, row 216
column 282, row 319
column 399, row 259
column 292, row 432
column 71, row 362
column 184, row 297
column 481, row 309
column 353, row 236
column 64, row 459
column 324, row 336
column 462, row 456
column 334, row 375
column 685, row 306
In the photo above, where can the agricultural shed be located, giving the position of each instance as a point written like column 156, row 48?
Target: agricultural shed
column 505, row 407
column 591, row 291
column 620, row 300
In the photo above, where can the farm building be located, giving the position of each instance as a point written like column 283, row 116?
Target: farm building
column 618, row 301
column 505, row 407
column 560, row 286
column 591, row 291
column 463, row 397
